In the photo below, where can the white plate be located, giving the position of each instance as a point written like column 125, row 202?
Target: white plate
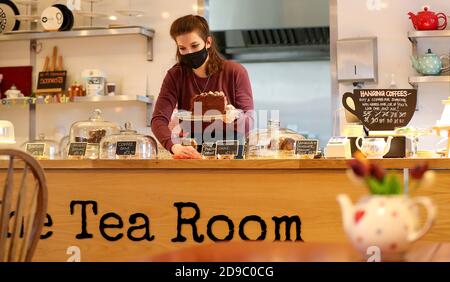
column 52, row 19
column 187, row 116
column 131, row 13
column 7, row 17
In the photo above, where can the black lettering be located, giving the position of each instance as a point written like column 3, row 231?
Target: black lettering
column 146, row 225
column 103, row 226
column 230, row 228
column 253, row 218
column 48, row 223
column 191, row 221
column 288, row 222
column 84, row 234
column 11, row 215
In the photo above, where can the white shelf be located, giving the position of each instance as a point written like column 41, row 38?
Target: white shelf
column 118, row 98
column 415, row 80
column 414, row 35
column 100, row 32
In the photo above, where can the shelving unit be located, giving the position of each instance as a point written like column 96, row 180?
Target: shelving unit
column 33, row 37
column 415, row 80
column 131, row 30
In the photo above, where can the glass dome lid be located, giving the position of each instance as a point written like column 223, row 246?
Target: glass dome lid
column 128, row 144
column 42, row 148
column 272, row 143
column 92, row 130
column 7, row 132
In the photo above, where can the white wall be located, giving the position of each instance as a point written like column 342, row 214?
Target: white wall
column 391, row 25
column 123, row 59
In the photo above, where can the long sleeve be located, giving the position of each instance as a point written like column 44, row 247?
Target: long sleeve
column 243, row 100
column 162, row 113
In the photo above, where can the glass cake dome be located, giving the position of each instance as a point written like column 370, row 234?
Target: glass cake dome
column 128, row 144
column 42, row 148
column 91, row 132
column 7, row 132
column 272, row 143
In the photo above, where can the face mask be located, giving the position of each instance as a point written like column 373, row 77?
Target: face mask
column 196, row 59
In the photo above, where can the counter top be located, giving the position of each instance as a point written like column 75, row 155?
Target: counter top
column 230, row 164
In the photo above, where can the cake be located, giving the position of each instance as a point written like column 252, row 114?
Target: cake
column 210, row 101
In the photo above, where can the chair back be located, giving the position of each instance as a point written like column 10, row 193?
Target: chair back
column 23, row 206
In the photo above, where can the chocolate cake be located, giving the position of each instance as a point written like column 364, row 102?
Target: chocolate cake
column 210, row 101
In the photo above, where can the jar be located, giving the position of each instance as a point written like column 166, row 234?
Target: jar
column 91, row 132
column 128, row 144
column 7, row 132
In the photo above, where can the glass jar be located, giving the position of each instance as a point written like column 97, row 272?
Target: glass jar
column 7, row 132
column 42, row 149
column 91, row 132
column 272, row 143
column 129, row 145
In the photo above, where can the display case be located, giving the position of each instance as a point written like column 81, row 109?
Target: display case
column 128, row 144
column 91, row 132
column 42, row 148
column 272, row 143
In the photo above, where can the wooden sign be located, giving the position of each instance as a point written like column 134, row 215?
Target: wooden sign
column 51, row 82
column 227, row 148
column 306, row 147
column 382, row 109
column 126, row 148
column 209, row 149
column 36, row 149
column 77, row 149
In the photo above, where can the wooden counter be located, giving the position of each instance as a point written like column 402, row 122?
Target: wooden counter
column 131, row 207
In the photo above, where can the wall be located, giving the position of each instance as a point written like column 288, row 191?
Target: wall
column 391, row 25
column 300, row 91
column 123, row 59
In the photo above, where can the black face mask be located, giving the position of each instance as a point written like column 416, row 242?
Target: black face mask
column 196, row 59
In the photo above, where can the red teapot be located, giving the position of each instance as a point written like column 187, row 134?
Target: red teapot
column 428, row 20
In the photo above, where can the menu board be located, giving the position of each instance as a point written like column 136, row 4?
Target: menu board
column 51, row 82
column 126, row 148
column 36, row 149
column 209, row 149
column 77, row 149
column 227, row 147
column 306, row 147
column 382, row 109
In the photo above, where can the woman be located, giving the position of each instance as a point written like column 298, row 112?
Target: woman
column 199, row 69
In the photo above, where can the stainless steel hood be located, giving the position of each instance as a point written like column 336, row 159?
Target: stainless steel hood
column 271, row 30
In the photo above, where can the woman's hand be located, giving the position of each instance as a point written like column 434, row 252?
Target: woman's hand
column 231, row 114
column 185, row 152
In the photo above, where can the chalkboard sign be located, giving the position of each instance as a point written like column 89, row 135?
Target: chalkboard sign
column 77, row 149
column 126, row 148
column 51, row 82
column 209, row 149
column 306, row 147
column 382, row 109
column 36, row 149
column 227, row 147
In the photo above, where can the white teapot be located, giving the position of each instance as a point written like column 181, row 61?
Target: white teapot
column 390, row 223
column 13, row 93
column 374, row 148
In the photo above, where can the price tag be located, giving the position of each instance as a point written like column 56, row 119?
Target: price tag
column 209, row 149
column 227, row 148
column 126, row 148
column 77, row 149
column 36, row 149
column 306, row 147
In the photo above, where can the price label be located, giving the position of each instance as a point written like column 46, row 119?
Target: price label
column 36, row 149
column 126, row 148
column 227, row 147
column 77, row 149
column 209, row 149
column 306, row 147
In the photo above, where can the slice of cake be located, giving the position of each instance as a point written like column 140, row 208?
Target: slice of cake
column 209, row 101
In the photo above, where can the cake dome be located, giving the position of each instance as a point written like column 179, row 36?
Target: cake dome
column 7, row 132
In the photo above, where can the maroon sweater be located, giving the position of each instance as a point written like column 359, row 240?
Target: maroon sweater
column 179, row 87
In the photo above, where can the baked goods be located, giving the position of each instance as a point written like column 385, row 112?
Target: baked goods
column 287, row 144
column 189, row 142
column 211, row 101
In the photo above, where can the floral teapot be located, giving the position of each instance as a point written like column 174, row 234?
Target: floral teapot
column 428, row 20
column 390, row 223
column 374, row 148
column 430, row 63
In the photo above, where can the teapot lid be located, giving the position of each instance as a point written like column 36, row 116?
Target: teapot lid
column 425, row 11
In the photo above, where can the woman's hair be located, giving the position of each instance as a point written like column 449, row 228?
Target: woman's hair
column 191, row 23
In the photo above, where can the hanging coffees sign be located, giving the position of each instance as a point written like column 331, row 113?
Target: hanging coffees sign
column 382, row 109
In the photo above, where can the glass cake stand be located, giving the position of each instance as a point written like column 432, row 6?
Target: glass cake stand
column 413, row 134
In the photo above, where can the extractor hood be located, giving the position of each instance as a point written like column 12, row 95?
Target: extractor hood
column 271, row 30
column 275, row 45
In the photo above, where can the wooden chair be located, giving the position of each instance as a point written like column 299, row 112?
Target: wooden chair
column 23, row 207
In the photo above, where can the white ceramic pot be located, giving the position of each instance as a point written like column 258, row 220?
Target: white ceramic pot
column 374, row 148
